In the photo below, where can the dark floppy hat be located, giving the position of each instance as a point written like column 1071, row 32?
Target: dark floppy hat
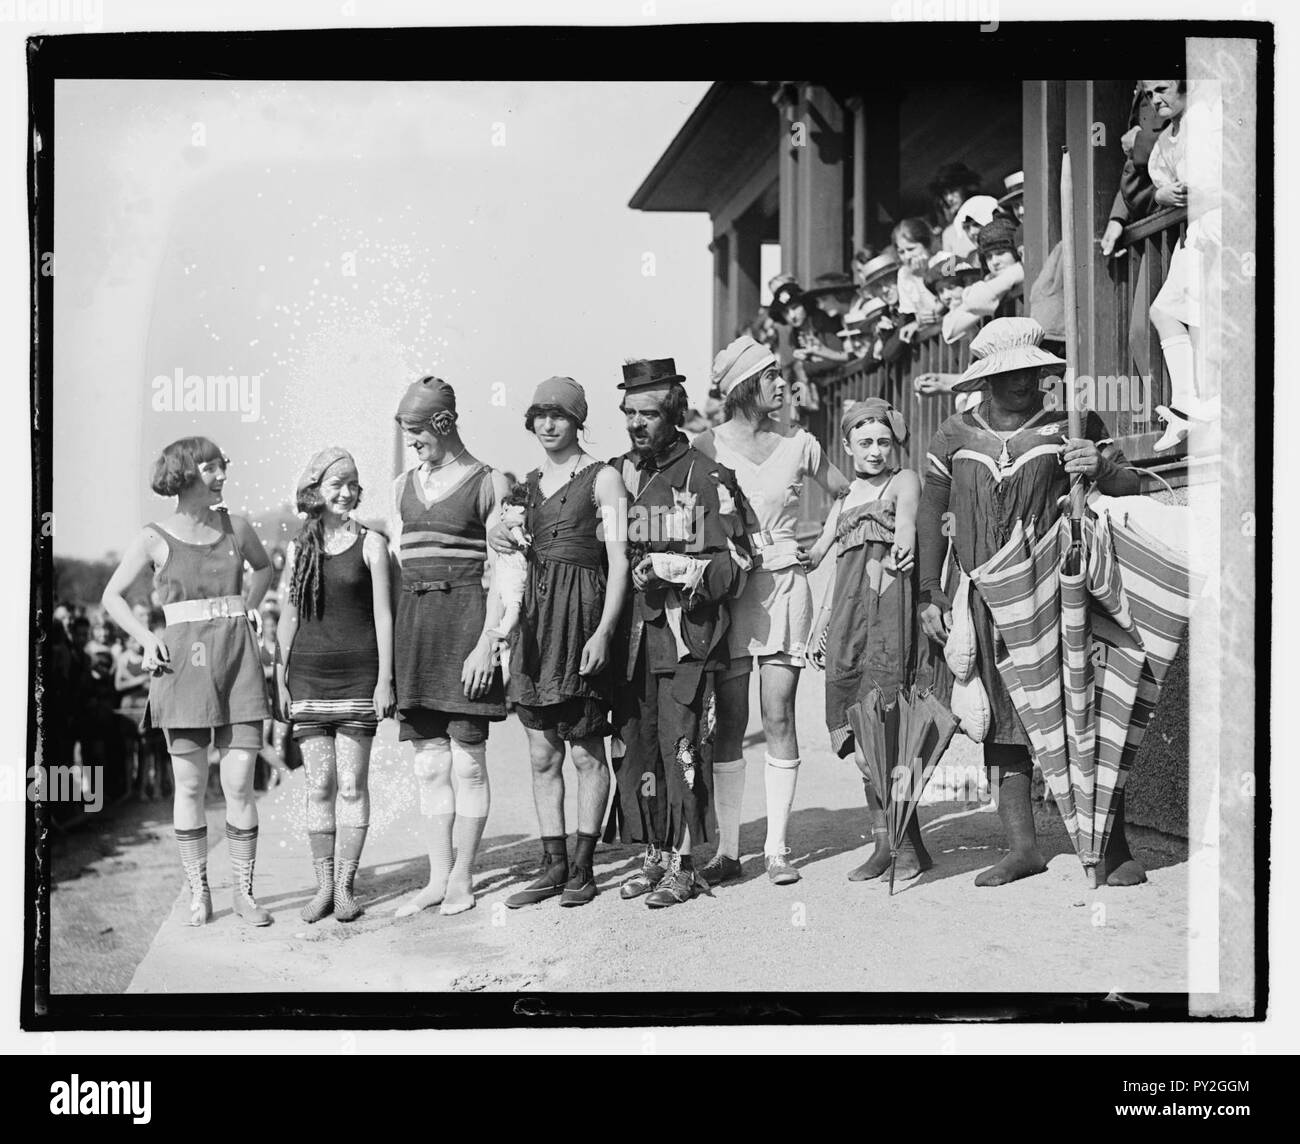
column 653, row 371
column 833, row 283
column 784, row 293
column 1000, row 234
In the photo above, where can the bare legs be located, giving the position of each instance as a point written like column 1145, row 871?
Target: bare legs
column 454, row 800
column 437, row 816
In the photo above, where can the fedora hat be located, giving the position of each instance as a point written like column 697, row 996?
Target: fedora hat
column 1002, row 346
column 835, row 282
column 645, row 373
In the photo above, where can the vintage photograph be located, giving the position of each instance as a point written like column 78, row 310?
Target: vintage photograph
column 598, row 535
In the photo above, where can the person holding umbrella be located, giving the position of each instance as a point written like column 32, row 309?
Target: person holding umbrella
column 1009, row 460
column 867, row 627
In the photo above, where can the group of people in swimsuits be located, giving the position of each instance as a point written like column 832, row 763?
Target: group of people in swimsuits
column 630, row 600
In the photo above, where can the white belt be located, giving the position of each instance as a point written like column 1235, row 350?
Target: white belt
column 216, row 608
column 775, row 551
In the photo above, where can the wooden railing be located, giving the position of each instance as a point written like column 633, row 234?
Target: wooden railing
column 894, row 382
column 1150, row 244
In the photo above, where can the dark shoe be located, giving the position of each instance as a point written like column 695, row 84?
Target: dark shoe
column 653, row 867
column 779, row 871
column 550, row 883
column 678, row 885
column 722, row 868
column 580, row 888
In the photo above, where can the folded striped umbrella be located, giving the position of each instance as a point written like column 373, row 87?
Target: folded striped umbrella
column 1086, row 654
column 901, row 736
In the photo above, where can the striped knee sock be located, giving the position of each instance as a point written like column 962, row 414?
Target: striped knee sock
column 193, row 846
column 242, row 844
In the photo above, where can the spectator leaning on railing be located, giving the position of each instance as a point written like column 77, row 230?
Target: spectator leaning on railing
column 952, row 186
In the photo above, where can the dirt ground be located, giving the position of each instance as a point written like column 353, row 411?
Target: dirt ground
column 120, row 902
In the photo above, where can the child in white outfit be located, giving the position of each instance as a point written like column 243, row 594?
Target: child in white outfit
column 1176, row 310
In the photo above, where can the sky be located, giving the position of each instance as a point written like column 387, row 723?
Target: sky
column 327, row 243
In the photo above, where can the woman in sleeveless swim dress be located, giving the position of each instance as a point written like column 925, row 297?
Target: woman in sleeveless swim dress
column 866, row 643
column 771, row 619
column 207, row 687
column 561, row 646
column 335, row 670
column 449, row 685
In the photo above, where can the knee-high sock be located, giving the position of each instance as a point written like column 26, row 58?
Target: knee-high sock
column 473, row 798
column 437, row 806
column 193, row 846
column 779, row 776
column 729, row 797
column 1179, row 359
column 241, row 842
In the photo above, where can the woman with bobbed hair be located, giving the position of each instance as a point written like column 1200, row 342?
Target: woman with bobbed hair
column 207, row 687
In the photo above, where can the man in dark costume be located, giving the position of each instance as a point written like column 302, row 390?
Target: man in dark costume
column 689, row 553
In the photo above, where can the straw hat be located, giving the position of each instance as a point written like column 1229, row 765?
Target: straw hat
column 884, row 264
column 1015, row 185
column 1005, row 345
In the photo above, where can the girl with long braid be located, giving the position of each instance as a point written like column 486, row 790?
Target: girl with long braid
column 207, row 686
column 335, row 674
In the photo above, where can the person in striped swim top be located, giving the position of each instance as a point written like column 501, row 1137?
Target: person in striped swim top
column 449, row 682
column 335, row 670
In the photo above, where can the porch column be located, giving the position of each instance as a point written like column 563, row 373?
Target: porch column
column 721, row 248
column 744, row 240
column 820, row 224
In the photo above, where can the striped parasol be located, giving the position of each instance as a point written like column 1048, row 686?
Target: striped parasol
column 1085, row 653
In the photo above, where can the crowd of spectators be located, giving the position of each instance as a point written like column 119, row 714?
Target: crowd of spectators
column 938, row 277
column 95, row 695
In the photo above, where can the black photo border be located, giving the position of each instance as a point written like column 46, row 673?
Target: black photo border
column 1072, row 49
